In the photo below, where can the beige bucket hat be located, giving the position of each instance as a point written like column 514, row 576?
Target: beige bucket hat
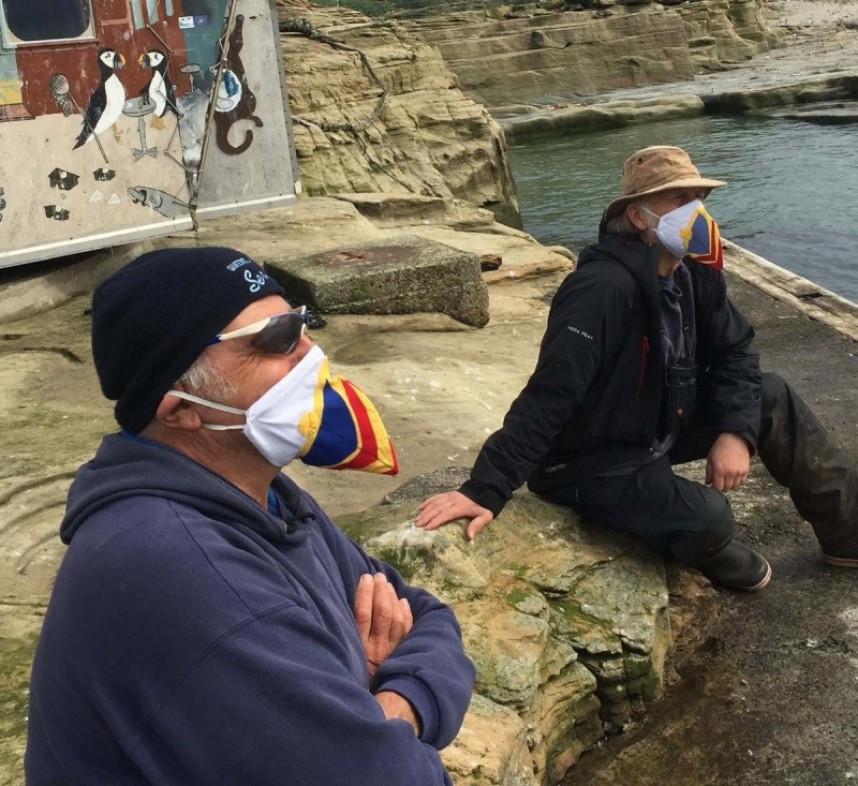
column 655, row 169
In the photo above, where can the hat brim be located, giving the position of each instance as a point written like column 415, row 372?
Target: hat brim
column 619, row 204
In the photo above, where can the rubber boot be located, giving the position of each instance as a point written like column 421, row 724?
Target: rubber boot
column 738, row 567
column 850, row 560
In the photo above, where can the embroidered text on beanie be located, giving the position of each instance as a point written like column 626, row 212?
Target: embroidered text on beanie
column 153, row 318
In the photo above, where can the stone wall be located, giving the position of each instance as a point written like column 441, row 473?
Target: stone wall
column 429, row 138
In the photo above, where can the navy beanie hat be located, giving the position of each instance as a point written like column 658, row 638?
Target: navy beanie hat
column 154, row 317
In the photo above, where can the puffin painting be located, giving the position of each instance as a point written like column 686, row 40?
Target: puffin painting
column 105, row 104
column 159, row 90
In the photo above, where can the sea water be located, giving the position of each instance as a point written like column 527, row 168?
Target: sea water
column 792, row 193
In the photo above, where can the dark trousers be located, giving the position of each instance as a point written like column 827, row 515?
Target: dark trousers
column 691, row 521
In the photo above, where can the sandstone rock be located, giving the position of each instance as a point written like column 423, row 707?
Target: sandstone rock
column 519, row 258
column 429, row 139
column 541, row 57
column 392, row 208
column 823, row 113
column 423, row 486
column 491, row 748
column 396, row 210
column 454, row 571
column 602, row 116
column 280, row 237
column 568, row 626
column 723, row 32
column 763, row 99
column 504, row 252
column 305, row 227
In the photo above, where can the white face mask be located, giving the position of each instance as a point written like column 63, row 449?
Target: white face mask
column 323, row 421
column 690, row 231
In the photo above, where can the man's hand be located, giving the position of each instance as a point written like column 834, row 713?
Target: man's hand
column 728, row 462
column 382, row 618
column 395, row 706
column 441, row 508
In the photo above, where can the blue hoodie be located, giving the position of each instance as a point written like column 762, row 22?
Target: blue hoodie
column 194, row 637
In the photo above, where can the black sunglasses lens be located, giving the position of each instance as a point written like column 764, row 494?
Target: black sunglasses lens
column 281, row 335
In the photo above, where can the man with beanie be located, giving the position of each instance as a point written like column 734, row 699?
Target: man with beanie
column 209, row 623
column 645, row 364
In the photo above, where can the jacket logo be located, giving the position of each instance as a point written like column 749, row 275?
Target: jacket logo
column 581, row 333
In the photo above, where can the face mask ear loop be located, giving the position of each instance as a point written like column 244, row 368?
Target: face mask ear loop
column 213, row 405
column 653, row 215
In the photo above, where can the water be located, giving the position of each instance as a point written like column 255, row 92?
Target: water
column 792, row 193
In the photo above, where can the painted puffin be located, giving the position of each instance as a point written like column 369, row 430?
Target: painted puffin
column 105, row 104
column 159, row 90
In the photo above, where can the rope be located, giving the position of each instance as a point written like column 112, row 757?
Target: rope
column 306, row 29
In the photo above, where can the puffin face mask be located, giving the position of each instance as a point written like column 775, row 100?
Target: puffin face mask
column 691, row 231
column 324, row 421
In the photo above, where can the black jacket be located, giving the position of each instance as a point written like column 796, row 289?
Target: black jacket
column 595, row 397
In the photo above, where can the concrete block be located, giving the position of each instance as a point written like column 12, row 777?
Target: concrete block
column 402, row 274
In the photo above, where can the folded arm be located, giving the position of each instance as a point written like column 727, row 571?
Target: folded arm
column 427, row 667
column 275, row 701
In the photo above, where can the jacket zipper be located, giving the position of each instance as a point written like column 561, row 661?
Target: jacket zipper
column 644, row 354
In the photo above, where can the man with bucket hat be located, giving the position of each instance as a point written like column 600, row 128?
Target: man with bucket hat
column 645, row 363
column 209, row 623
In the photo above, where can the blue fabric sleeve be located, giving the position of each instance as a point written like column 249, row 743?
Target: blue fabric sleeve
column 429, row 666
column 280, row 676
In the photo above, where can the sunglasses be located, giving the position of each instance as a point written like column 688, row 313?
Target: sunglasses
column 277, row 335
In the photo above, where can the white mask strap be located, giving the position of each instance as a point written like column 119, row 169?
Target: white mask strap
column 213, row 405
column 654, row 215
